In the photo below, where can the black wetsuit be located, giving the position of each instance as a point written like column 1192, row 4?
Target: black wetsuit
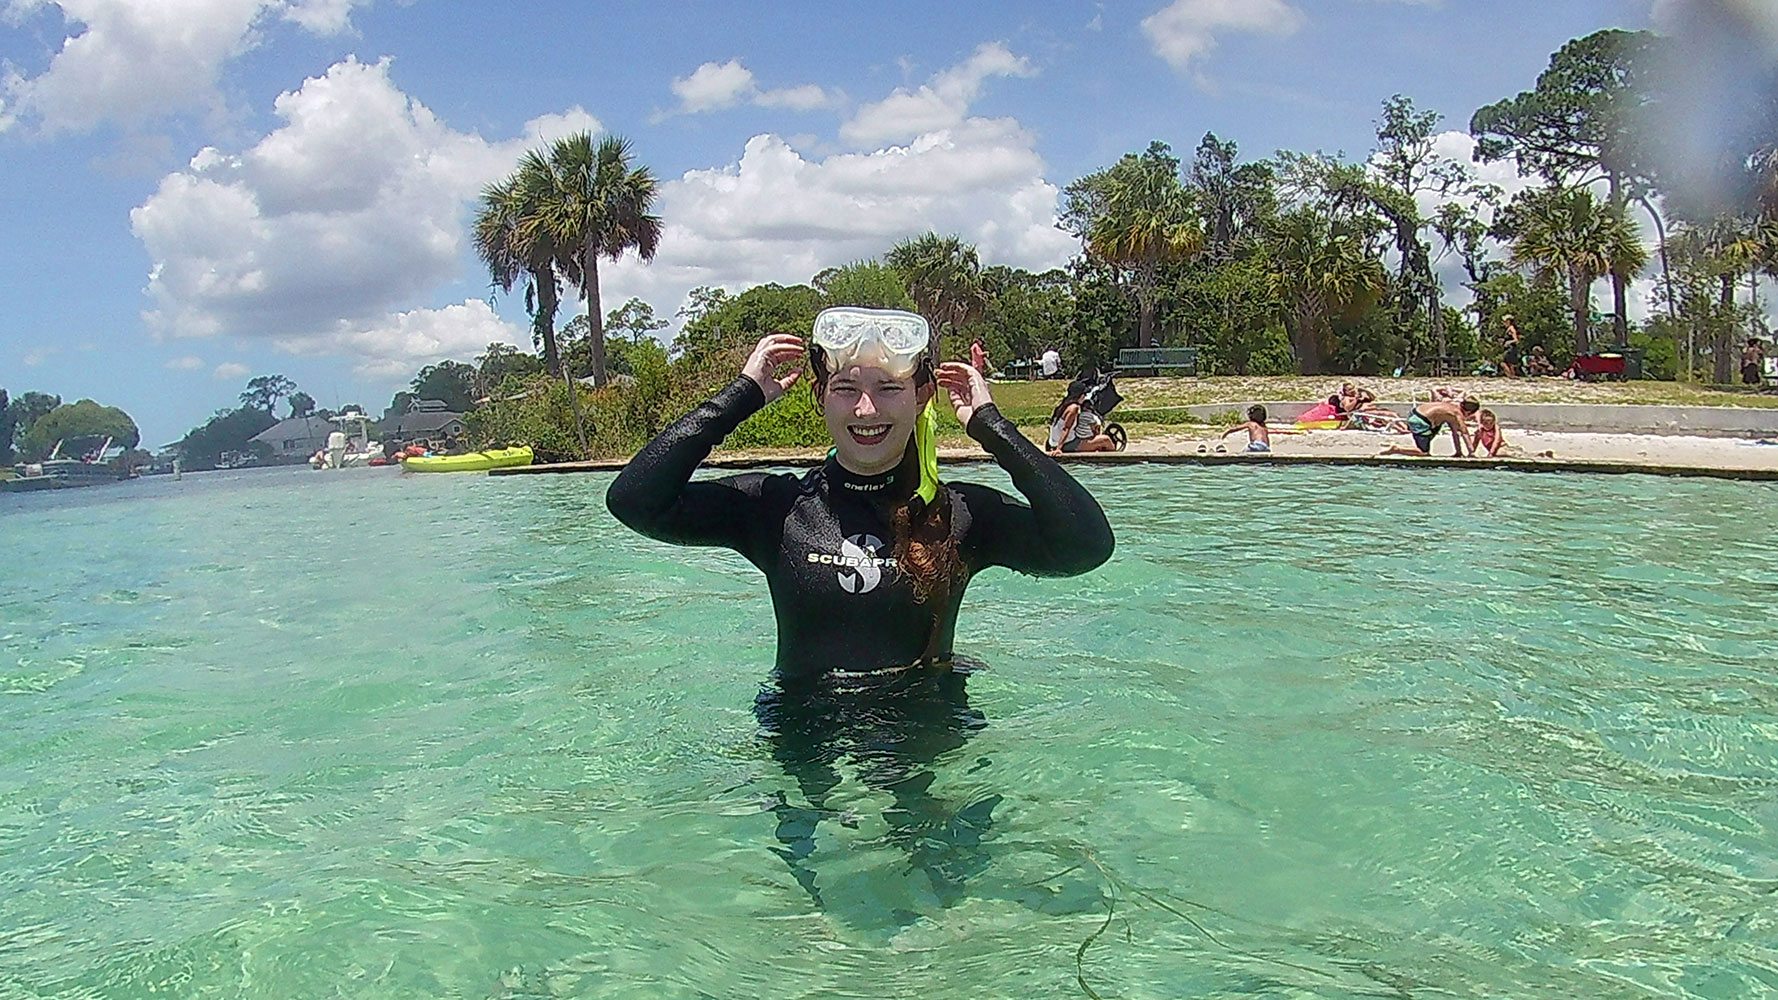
column 824, row 539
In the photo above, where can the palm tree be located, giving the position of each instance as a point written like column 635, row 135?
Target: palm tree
column 512, row 249
column 1724, row 249
column 944, row 278
column 1148, row 221
column 1570, row 233
column 593, row 203
column 1321, row 270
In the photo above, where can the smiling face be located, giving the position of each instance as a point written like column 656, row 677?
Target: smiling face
column 871, row 415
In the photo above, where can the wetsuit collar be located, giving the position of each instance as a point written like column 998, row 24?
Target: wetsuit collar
column 897, row 484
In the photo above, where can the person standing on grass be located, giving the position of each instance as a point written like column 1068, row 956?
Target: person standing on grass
column 1512, row 353
column 978, row 357
column 1753, row 361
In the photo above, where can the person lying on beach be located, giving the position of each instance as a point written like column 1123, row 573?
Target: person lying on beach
column 1491, row 442
column 1426, row 419
column 1259, row 439
column 1379, row 419
column 866, row 556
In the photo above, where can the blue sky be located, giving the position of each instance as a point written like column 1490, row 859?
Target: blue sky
column 198, row 191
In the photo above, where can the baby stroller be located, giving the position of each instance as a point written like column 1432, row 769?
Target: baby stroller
column 1098, row 392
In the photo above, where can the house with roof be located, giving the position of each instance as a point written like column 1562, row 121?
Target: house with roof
column 426, row 420
column 295, row 439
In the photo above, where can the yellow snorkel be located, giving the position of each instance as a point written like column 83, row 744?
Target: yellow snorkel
column 926, row 444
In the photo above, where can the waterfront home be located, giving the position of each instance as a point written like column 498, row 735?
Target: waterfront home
column 426, row 420
column 295, row 439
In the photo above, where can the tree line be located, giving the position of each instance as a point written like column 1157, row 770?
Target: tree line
column 1300, row 262
column 34, row 423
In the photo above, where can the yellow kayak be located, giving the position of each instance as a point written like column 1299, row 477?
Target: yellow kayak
column 475, row 461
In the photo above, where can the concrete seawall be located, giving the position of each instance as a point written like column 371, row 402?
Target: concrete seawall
column 1700, row 421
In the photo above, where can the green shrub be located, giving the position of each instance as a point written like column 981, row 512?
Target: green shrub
column 1274, row 357
column 1660, row 354
column 794, row 421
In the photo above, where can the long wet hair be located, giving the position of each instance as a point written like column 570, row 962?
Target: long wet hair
column 1075, row 395
column 924, row 547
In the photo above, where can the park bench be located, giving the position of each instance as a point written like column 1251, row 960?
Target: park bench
column 1139, row 361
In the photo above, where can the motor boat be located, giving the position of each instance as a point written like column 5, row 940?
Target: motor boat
column 349, row 445
column 92, row 467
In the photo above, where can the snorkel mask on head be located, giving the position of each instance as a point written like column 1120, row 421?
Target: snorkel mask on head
column 894, row 341
column 877, row 338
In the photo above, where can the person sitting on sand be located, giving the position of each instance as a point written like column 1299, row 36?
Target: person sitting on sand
column 1539, row 363
column 1427, row 418
column 1259, row 439
column 1491, row 442
column 1075, row 427
column 1365, row 401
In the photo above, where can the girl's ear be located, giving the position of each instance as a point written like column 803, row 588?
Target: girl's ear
column 923, row 392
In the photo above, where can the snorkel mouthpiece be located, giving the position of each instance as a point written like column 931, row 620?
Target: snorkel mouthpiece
column 889, row 339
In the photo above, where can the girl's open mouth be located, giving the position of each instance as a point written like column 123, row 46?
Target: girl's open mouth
column 872, row 434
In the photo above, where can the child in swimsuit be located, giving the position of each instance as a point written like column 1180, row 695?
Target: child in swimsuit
column 1490, row 442
column 1259, row 439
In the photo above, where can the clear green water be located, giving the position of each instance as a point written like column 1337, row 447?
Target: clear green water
column 1319, row 733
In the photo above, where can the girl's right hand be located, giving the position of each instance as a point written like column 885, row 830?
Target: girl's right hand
column 773, row 351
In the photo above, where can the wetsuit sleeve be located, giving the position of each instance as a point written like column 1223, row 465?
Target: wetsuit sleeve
column 655, row 496
column 1062, row 532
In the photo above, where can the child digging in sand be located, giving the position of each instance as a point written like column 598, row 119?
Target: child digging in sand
column 1259, row 439
column 1490, row 442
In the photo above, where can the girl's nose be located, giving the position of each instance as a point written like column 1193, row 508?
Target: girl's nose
column 866, row 407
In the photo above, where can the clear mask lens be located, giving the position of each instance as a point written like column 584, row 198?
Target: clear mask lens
column 889, row 339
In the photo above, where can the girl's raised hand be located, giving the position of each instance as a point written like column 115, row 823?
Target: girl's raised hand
column 967, row 388
column 773, row 351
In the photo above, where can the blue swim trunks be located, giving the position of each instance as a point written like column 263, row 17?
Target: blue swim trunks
column 1258, row 446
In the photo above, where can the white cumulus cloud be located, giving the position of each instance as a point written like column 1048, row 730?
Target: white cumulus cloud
column 778, row 215
column 330, row 233
column 715, row 86
column 188, row 363
column 1186, row 30
column 392, row 346
column 940, row 103
column 128, row 61
column 228, row 371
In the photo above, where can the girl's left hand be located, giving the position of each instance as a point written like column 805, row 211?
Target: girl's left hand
column 967, row 388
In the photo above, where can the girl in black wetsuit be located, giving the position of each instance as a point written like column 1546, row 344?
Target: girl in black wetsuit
column 867, row 557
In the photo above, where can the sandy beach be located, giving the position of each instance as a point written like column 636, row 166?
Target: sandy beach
column 1628, row 449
